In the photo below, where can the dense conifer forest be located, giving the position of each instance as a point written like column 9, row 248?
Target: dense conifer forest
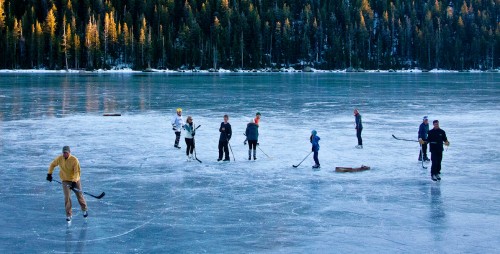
column 249, row 34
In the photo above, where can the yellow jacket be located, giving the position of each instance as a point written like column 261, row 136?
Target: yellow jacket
column 69, row 169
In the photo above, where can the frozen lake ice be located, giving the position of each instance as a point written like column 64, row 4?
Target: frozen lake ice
column 156, row 202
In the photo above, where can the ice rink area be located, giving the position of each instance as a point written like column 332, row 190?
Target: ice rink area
column 156, row 202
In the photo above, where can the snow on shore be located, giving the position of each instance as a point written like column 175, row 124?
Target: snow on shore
column 265, row 70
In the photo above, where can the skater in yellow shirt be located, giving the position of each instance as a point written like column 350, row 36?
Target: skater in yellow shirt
column 69, row 172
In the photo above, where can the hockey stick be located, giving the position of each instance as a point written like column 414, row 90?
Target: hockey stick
column 411, row 140
column 230, row 148
column 263, row 151
column 302, row 160
column 244, row 143
column 404, row 139
column 196, row 157
column 422, row 157
column 76, row 189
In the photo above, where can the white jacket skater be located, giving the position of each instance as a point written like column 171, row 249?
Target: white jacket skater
column 177, row 125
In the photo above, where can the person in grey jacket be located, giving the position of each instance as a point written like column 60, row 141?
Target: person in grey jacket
column 423, row 131
column 252, row 133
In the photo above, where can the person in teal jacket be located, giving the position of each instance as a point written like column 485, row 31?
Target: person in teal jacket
column 315, row 147
column 252, row 133
column 189, row 138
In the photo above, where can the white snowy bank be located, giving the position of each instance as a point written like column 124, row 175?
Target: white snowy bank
column 264, row 70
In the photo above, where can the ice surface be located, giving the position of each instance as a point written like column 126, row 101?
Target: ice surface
column 156, row 202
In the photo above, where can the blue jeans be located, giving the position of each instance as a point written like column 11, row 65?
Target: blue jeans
column 315, row 156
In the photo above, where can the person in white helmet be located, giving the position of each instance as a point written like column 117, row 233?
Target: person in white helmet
column 423, row 131
column 177, row 123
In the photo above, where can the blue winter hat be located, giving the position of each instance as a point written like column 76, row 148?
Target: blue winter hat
column 425, row 118
column 314, row 132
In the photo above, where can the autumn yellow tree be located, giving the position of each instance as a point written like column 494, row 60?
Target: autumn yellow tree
column 39, row 43
column 17, row 34
column 66, row 41
column 50, row 31
column 2, row 15
column 126, row 40
column 110, row 34
column 76, row 49
column 142, row 39
column 92, row 42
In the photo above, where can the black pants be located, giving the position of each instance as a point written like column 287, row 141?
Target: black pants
column 358, row 135
column 177, row 137
column 436, row 159
column 424, row 151
column 223, row 145
column 189, row 145
column 252, row 144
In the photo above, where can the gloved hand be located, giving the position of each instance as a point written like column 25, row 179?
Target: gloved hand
column 73, row 185
column 193, row 134
column 245, row 142
column 447, row 143
column 421, row 141
column 258, row 143
column 49, row 177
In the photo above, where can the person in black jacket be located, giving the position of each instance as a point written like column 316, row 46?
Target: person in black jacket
column 359, row 128
column 423, row 131
column 225, row 136
column 436, row 138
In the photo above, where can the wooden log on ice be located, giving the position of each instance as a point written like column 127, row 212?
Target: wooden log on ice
column 347, row 169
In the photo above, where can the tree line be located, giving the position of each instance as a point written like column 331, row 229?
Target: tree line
column 249, row 34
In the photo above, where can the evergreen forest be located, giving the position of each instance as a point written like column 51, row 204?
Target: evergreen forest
column 249, row 34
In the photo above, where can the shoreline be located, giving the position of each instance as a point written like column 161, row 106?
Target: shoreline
column 266, row 70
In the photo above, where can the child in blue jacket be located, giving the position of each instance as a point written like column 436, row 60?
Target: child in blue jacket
column 315, row 147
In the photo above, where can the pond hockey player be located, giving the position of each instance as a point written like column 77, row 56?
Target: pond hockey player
column 177, row 124
column 436, row 138
column 359, row 128
column 225, row 136
column 315, row 147
column 423, row 131
column 189, row 137
column 69, row 172
column 252, row 133
column 257, row 118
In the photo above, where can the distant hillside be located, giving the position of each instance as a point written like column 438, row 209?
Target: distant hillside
column 247, row 34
